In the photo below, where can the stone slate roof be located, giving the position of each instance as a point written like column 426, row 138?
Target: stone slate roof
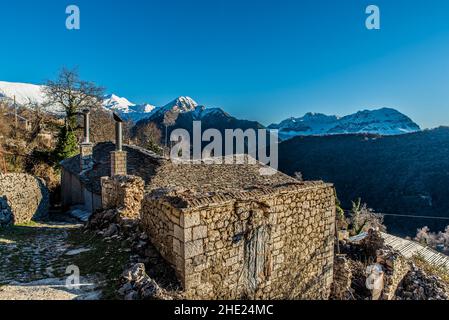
column 140, row 162
column 188, row 199
column 163, row 176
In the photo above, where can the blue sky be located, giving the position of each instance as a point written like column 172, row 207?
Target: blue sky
column 261, row 60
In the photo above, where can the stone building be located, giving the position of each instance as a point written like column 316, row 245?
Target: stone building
column 228, row 231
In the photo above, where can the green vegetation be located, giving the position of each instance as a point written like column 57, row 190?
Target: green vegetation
column 106, row 259
column 67, row 145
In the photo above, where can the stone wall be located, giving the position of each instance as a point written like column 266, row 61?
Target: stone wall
column 6, row 217
column 396, row 268
column 27, row 197
column 273, row 246
column 123, row 192
column 160, row 219
column 341, row 287
column 118, row 163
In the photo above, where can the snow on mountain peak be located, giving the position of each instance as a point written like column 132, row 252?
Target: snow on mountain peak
column 385, row 121
column 126, row 108
column 181, row 104
column 114, row 102
column 23, row 92
column 26, row 93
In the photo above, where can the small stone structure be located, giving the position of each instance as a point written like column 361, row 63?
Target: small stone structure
column 228, row 231
column 24, row 196
column 341, row 287
column 396, row 268
column 124, row 192
column 268, row 243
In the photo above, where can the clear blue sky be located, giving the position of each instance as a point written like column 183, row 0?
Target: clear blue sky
column 262, row 60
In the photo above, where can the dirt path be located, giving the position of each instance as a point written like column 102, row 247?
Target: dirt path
column 39, row 260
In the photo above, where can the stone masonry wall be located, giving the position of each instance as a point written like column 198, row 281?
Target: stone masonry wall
column 341, row 287
column 118, row 163
column 124, row 192
column 160, row 220
column 279, row 246
column 396, row 268
column 6, row 216
column 25, row 196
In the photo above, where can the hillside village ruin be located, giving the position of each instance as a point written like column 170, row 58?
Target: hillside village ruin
column 224, row 231
column 227, row 231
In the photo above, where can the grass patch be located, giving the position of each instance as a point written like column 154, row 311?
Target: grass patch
column 23, row 232
column 105, row 259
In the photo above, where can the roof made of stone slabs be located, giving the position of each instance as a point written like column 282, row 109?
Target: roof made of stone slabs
column 140, row 162
column 188, row 199
column 161, row 173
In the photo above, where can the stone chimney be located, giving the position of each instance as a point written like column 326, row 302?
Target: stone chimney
column 118, row 157
column 86, row 148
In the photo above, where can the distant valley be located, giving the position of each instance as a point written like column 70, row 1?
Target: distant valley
column 406, row 174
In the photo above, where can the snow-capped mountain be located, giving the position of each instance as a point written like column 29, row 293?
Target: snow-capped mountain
column 183, row 111
column 184, row 105
column 127, row 109
column 26, row 94
column 385, row 121
column 177, row 106
column 23, row 92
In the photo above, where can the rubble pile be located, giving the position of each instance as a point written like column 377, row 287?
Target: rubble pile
column 367, row 269
column 147, row 276
column 341, row 286
column 395, row 268
column 418, row 285
column 136, row 284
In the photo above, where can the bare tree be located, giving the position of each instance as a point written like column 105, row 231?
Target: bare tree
column 432, row 239
column 149, row 137
column 363, row 218
column 73, row 94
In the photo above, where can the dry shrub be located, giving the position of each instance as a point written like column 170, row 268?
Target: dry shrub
column 48, row 174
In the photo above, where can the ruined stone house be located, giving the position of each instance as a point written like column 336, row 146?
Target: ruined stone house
column 227, row 231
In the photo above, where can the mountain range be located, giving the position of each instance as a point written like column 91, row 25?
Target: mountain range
column 183, row 111
column 385, row 121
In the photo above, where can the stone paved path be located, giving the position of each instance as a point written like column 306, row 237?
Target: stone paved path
column 34, row 263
